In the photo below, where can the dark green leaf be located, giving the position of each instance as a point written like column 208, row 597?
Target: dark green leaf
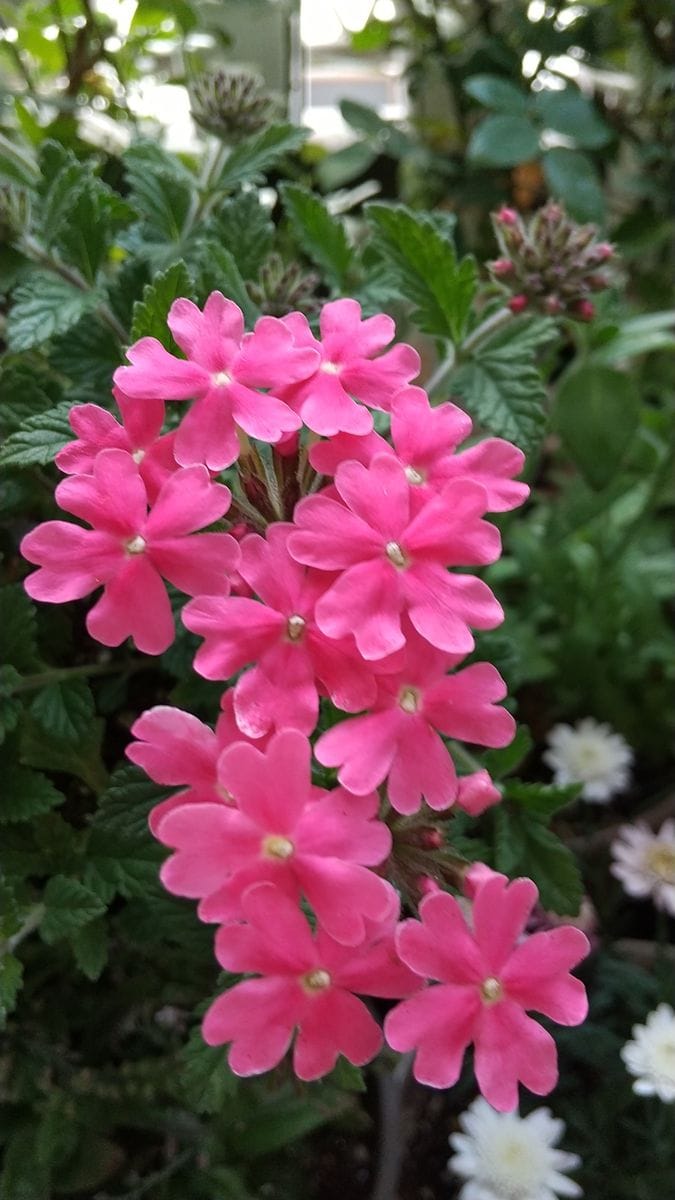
column 11, row 973
column 504, row 141
column 90, row 947
column 422, row 265
column 150, row 313
column 203, row 1076
column 25, row 794
column 69, row 905
column 124, row 806
column 572, row 177
column 24, row 1177
column 39, row 439
column 243, row 227
column 571, row 113
column 25, row 393
column 88, row 354
column 65, row 710
column 253, row 157
column 43, row 306
column 524, row 846
column 160, row 189
column 502, row 762
column 116, row 863
column 10, row 705
column 17, row 621
column 540, row 800
column 81, row 758
column 219, row 271
column 495, row 91
column 387, row 138
column 320, row 234
column 597, row 414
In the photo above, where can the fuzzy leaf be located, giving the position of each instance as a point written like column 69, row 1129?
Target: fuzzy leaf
column 150, row 313
column 160, row 189
column 540, row 800
column 204, row 1077
column 39, row 439
column 321, row 235
column 17, row 621
column 90, row 947
column 243, row 227
column 26, row 794
column 65, row 710
column 125, row 804
column 524, row 846
column 69, row 905
column 42, row 306
column 253, row 157
column 420, row 262
column 88, row 355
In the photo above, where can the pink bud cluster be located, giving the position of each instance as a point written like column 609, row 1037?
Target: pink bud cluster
column 341, row 583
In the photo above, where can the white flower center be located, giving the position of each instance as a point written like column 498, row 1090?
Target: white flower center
column 519, row 1165
column 491, row 990
column 277, row 846
column 224, row 794
column 414, row 476
column 661, row 860
column 295, row 627
column 316, row 981
column 135, row 545
column 409, row 699
column 330, row 368
column 221, row 379
column 395, row 554
column 138, row 456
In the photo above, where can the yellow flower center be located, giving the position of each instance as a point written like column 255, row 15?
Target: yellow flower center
column 661, row 860
column 135, row 545
column 295, row 627
column 316, row 981
column 277, row 846
column 409, row 699
column 395, row 554
column 491, row 990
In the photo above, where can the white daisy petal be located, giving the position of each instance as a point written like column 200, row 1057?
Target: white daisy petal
column 650, row 1056
column 644, row 862
column 592, row 754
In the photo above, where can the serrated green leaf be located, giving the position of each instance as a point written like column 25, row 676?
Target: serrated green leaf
column 495, row 91
column 422, row 265
column 243, row 227
column 502, row 762
column 597, row 414
column 321, row 235
column 94, row 217
column 219, row 271
column 90, row 947
column 503, row 388
column 124, row 806
column 253, row 157
column 69, row 905
column 150, row 313
column 81, row 758
column 203, row 1075
column 503, row 141
column 160, row 189
column 117, row 864
column 17, row 164
column 25, row 393
column 524, row 846
column 10, row 705
column 540, row 800
column 88, row 354
column 18, row 624
column 43, row 306
column 39, row 439
column 25, row 794
column 65, row 710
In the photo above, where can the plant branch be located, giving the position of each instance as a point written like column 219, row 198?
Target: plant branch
column 61, row 674
column 392, row 1144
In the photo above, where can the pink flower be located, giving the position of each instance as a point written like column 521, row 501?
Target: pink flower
column 223, row 370
column 487, row 983
column 424, row 441
column 347, row 370
column 139, row 435
column 477, row 792
column 400, row 739
column 304, row 983
column 177, row 749
column 283, row 830
column 394, row 562
column 129, row 550
column 279, row 634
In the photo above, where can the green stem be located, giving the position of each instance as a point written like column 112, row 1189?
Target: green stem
column 486, row 329
column 464, row 758
column 31, row 923
column 60, row 674
column 215, row 156
column 38, row 254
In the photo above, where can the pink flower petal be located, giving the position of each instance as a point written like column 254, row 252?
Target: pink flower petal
column 199, row 564
column 335, row 1023
column 439, row 1022
column 512, row 1048
column 364, row 601
column 156, row 374
column 500, row 913
column 258, row 1017
column 134, row 604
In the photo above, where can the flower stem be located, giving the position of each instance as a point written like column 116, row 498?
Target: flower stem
column 60, row 674
column 392, row 1085
column 484, row 331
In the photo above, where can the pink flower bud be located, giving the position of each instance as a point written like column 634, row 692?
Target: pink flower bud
column 507, row 216
column 432, row 839
column 603, row 251
column 501, row 267
column 518, row 303
column 584, row 310
column 552, row 305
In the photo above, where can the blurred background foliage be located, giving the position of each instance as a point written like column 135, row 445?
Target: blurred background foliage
column 134, row 167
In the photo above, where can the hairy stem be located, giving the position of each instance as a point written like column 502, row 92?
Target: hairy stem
column 60, row 674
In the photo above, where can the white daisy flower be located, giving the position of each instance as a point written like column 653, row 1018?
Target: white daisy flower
column 651, row 1055
column 644, row 861
column 507, row 1157
column 592, row 754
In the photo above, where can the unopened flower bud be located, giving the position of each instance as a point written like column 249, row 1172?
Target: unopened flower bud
column 518, row 303
column 507, row 216
column 552, row 305
column 584, row 310
column 432, row 839
column 231, row 104
column 501, row 267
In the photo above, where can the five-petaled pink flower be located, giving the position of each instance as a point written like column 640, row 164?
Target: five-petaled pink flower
column 279, row 634
column 488, row 981
column 399, row 740
column 223, row 371
column 129, row 549
column 305, row 983
column 280, row 829
column 347, row 370
column 424, row 439
column 392, row 561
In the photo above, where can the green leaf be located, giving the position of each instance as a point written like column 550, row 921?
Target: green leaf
column 69, row 906
column 571, row 113
column 160, row 189
column 124, row 806
column 597, row 414
column 422, row 264
column 87, row 354
column 502, row 762
column 251, row 158
column 502, row 386
column 17, row 164
column 284, row 1118
column 572, row 177
column 81, row 758
column 524, row 846
column 541, row 800
column 321, row 235
column 39, row 439
column 26, row 794
column 11, row 977
column 24, row 1176
column 90, row 947
column 88, row 233
column 150, row 313
column 10, row 705
column 219, row 270
column 503, row 141
column 65, row 710
column 25, row 393
column 387, row 138
column 43, row 306
column 204, row 1077
column 338, row 169
column 243, row 227
column 495, row 91
column 635, row 336
column 119, row 864
column 17, row 621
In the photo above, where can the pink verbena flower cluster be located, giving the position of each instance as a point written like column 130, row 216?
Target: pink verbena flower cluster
column 341, row 583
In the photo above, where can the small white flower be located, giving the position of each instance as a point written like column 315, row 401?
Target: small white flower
column 592, row 754
column 507, row 1157
column 651, row 1056
column 644, row 861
